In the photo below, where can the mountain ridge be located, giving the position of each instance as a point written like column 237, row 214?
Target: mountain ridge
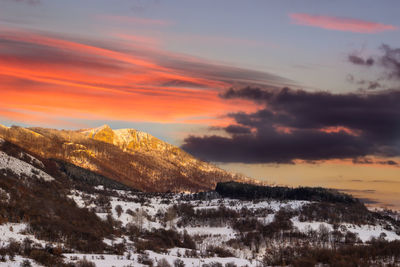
column 134, row 158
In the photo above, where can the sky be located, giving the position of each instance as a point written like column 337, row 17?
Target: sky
column 289, row 92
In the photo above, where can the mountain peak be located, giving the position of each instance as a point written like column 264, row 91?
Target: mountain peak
column 102, row 127
column 127, row 139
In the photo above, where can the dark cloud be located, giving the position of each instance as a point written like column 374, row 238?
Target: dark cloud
column 296, row 124
column 363, row 161
column 236, row 129
column 372, row 85
column 374, row 161
column 251, row 93
column 360, row 61
column 389, row 162
column 391, row 61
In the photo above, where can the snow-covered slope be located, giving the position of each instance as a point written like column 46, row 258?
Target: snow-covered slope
column 147, row 213
column 22, row 168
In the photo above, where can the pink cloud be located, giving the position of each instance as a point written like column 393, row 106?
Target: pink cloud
column 340, row 24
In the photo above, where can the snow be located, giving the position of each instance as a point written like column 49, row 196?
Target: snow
column 78, row 200
column 118, row 240
column 138, row 209
column 223, row 231
column 4, row 195
column 78, row 196
column 364, row 232
column 17, row 232
column 145, row 215
column 20, row 167
column 237, row 205
column 306, row 226
column 32, row 159
column 267, row 219
column 18, row 261
column 94, row 131
column 99, row 187
column 265, row 209
column 125, row 136
column 120, row 261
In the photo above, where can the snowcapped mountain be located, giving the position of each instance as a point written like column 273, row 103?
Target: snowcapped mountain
column 128, row 156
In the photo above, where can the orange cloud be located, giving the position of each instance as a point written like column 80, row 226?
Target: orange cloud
column 340, row 24
column 337, row 129
column 78, row 79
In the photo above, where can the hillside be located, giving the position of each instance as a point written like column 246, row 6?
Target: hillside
column 130, row 157
column 54, row 213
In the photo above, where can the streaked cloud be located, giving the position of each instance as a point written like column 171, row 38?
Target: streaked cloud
column 340, row 24
column 72, row 77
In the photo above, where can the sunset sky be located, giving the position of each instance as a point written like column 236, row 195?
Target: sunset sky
column 290, row 92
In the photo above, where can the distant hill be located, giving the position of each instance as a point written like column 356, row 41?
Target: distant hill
column 133, row 158
column 251, row 192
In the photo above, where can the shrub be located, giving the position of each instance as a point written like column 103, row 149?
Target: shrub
column 220, row 252
column 119, row 210
column 85, row 263
column 45, row 258
column 145, row 260
column 304, row 262
column 25, row 263
column 163, row 263
column 179, row 263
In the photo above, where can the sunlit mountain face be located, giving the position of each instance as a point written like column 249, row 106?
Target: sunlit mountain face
column 299, row 94
column 127, row 156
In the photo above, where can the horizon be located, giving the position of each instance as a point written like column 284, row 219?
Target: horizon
column 295, row 94
column 371, row 198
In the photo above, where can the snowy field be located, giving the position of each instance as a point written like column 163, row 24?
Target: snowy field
column 122, row 261
column 211, row 235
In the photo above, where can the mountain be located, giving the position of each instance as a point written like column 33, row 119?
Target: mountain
column 133, row 158
column 54, row 213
